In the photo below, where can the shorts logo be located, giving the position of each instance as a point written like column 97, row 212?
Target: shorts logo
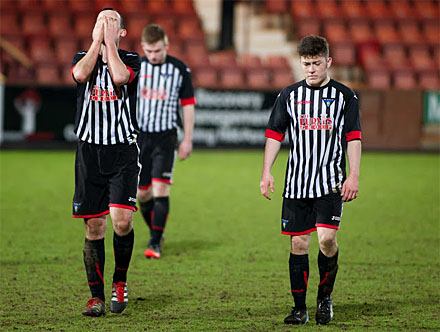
column 166, row 174
column 284, row 222
column 336, row 218
column 132, row 199
column 76, row 207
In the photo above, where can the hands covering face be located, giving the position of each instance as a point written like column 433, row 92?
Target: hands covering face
column 107, row 29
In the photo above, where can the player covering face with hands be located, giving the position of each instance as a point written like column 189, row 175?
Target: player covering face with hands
column 106, row 165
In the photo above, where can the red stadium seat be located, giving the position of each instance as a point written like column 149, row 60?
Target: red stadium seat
column 386, row 32
column 404, row 79
column 47, row 74
column 379, row 79
column 8, row 5
column 205, row 77
column 250, row 61
column 402, row 9
column 26, row 5
column 353, row 9
column 281, row 78
column 301, row 9
column 190, row 29
column 132, row 7
column 305, row 27
column 60, row 24
column 429, row 80
column 82, row 7
column 231, row 78
column 168, row 23
column 33, row 24
column 277, row 62
column 134, row 24
column 410, row 32
column 328, row 9
column 158, row 7
column 66, row 76
column 275, row 6
column 258, row 78
column 183, row 7
column 421, row 58
column 100, row 4
column 224, row 59
column 336, row 31
column 377, row 10
column 40, row 50
column 360, row 31
column 431, row 31
column 65, row 49
column 83, row 25
column 395, row 57
column 343, row 53
column 9, row 24
column 427, row 9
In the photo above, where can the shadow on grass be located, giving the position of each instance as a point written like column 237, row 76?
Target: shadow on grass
column 188, row 247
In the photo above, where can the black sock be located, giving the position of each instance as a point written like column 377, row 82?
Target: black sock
column 94, row 259
column 328, row 267
column 123, row 247
column 147, row 211
column 299, row 275
column 160, row 215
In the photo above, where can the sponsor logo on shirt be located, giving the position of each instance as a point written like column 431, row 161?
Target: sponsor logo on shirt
column 303, row 102
column 155, row 94
column 320, row 123
column 328, row 101
column 99, row 94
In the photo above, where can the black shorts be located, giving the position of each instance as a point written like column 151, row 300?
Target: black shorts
column 158, row 151
column 303, row 216
column 105, row 176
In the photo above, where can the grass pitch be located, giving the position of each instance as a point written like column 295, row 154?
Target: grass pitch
column 225, row 263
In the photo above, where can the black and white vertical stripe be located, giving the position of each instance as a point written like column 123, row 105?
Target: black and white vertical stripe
column 314, row 167
column 105, row 122
column 158, row 92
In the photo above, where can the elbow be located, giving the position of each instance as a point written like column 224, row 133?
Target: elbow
column 79, row 76
column 118, row 81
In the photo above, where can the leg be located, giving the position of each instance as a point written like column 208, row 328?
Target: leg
column 146, row 203
column 327, row 260
column 161, row 193
column 299, row 268
column 94, row 260
column 123, row 240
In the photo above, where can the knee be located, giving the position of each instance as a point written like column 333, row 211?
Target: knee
column 145, row 195
column 123, row 225
column 95, row 228
column 300, row 246
column 327, row 243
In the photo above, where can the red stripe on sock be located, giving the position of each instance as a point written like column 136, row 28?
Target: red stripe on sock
column 323, row 280
column 99, row 272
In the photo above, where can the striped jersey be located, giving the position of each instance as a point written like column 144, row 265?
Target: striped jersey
column 106, row 114
column 159, row 90
column 320, row 121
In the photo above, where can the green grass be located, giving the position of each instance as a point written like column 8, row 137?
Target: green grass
column 225, row 263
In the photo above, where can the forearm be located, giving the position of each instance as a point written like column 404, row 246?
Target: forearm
column 188, row 122
column 84, row 68
column 271, row 151
column 118, row 70
column 354, row 150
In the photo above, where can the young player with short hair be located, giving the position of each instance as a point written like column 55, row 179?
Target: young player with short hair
column 321, row 116
column 106, row 163
column 163, row 80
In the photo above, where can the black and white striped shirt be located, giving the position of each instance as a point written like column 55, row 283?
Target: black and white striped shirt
column 159, row 90
column 320, row 121
column 106, row 114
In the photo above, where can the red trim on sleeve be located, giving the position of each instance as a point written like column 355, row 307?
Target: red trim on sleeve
column 124, row 207
column 71, row 73
column 188, row 101
column 91, row 215
column 274, row 135
column 131, row 74
column 145, row 187
column 353, row 135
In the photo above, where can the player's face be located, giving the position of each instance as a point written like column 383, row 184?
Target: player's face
column 315, row 69
column 156, row 52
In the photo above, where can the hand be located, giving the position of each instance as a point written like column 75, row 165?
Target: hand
column 98, row 31
column 111, row 30
column 350, row 189
column 185, row 149
column 266, row 181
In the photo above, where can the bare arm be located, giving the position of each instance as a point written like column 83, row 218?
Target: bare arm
column 118, row 71
column 350, row 187
column 270, row 154
column 84, row 68
column 185, row 147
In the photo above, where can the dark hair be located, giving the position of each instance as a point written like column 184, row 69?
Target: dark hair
column 120, row 17
column 313, row 46
column 153, row 33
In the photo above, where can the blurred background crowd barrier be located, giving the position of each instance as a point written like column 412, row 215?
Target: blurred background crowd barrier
column 241, row 54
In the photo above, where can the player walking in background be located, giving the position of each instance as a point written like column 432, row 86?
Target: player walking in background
column 106, row 165
column 163, row 80
column 322, row 118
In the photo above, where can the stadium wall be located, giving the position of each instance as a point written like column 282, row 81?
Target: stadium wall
column 391, row 119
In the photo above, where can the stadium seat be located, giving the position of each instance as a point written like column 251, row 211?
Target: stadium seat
column 431, row 31
column 84, row 7
column 183, row 7
column 305, row 27
column 135, row 23
column 40, row 50
column 386, row 32
column 28, row 5
column 53, row 5
column 8, row 5
column 250, row 61
column 33, row 24
column 360, row 31
column 154, row 7
column 402, row 10
column 190, row 29
column 205, row 77
column 277, row 62
column 132, row 7
column 343, row 53
column 421, row 58
column 231, row 78
column 404, row 79
column 427, row 9
column 66, row 76
column 328, row 9
column 223, row 59
column 429, row 80
column 9, row 24
column 377, row 10
column 168, row 23
column 258, row 78
column 352, row 9
column 65, row 49
column 336, row 31
column 409, row 32
column 100, row 4
column 302, row 9
column 379, row 79
column 176, row 48
column 275, row 6
column 60, row 24
column 281, row 78
column 47, row 74
column 395, row 56
column 83, row 25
